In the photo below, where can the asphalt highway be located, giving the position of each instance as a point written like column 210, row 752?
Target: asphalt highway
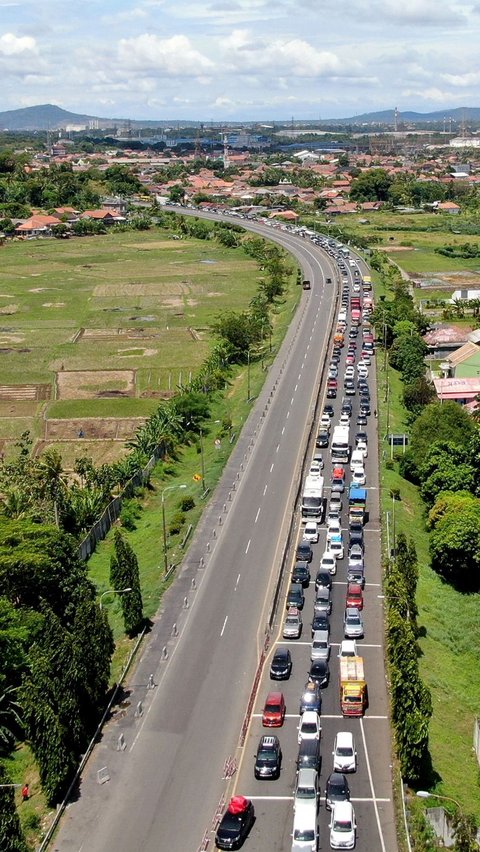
column 167, row 785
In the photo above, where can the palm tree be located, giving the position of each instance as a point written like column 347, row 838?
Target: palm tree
column 10, row 721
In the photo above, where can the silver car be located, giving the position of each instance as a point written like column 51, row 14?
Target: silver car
column 320, row 645
column 353, row 623
column 323, row 600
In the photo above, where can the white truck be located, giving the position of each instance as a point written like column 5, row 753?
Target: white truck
column 341, row 444
column 313, row 501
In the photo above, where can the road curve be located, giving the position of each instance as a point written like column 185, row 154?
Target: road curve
column 166, row 784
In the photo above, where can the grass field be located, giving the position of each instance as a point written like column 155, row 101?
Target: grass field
column 450, row 631
column 119, row 302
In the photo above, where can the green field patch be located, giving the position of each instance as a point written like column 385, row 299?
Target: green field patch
column 78, row 408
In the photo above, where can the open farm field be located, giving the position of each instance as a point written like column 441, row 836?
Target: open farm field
column 104, row 327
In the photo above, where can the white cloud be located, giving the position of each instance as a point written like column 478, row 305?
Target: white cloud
column 175, row 56
column 471, row 78
column 244, row 53
column 433, row 94
column 10, row 45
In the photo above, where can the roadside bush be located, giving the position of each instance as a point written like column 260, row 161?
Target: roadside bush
column 186, row 503
column 129, row 514
column 176, row 523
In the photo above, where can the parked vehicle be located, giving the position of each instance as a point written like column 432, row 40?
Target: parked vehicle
column 337, row 790
column 281, row 665
column 309, row 727
column 292, row 626
column 235, row 823
column 344, row 753
column 274, row 710
column 342, row 826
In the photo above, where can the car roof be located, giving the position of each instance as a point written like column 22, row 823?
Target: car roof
column 274, row 697
column 320, row 636
column 344, row 738
column 342, row 810
column 352, row 611
column 281, row 652
column 309, row 716
column 337, row 778
column 268, row 741
column 306, row 777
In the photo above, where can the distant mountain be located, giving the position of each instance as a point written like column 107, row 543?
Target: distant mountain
column 387, row 116
column 51, row 117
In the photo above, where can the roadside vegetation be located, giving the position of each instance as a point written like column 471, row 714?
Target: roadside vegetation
column 431, row 496
column 46, row 511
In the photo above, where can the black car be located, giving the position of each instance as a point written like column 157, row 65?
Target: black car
column 321, row 621
column 355, row 537
column 304, row 551
column 331, row 393
column 319, row 673
column 335, row 357
column 311, row 698
column 301, row 573
column 361, row 436
column 323, row 578
column 309, row 755
column 281, row 665
column 235, row 824
column 353, row 332
column 295, row 596
column 347, row 407
column 337, row 790
column 365, row 405
column 328, row 409
column 322, row 439
column 268, row 758
column 362, row 420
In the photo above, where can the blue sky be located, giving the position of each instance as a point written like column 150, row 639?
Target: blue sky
column 241, row 59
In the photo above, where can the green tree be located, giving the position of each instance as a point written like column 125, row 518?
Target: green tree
column 447, row 421
column 93, row 646
column 240, row 330
column 49, row 697
column 124, row 574
column 417, row 394
column 12, row 839
column 373, row 185
column 455, row 543
column 177, row 194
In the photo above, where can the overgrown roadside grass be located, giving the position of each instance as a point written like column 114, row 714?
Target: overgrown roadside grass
column 449, row 625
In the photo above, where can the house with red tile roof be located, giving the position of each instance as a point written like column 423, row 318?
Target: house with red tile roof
column 105, row 216
column 37, row 226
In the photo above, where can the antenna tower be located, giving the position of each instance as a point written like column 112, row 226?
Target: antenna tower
column 226, row 161
column 395, row 119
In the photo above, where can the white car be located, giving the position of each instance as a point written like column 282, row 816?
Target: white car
column 334, row 526
column 315, row 469
column 348, row 648
column 363, row 447
column 325, row 422
column 310, row 531
column 344, row 752
column 344, row 419
column 362, row 371
column 309, row 727
column 336, row 547
column 358, row 476
column 328, row 562
column 356, row 287
column 349, row 371
column 342, row 826
column 332, row 371
column 366, row 360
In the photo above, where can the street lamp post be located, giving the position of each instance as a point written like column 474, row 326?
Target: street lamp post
column 164, row 524
column 425, row 794
column 114, row 592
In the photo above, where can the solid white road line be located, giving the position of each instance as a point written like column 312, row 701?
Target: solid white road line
column 370, row 778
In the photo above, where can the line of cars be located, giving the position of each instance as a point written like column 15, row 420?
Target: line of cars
column 268, row 755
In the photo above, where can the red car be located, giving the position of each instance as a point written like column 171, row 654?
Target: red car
column 354, row 596
column 274, row 710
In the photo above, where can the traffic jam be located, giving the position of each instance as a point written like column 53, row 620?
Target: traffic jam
column 304, row 749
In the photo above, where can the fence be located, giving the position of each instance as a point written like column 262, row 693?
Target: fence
column 111, row 513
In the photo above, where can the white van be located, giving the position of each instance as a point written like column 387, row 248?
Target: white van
column 305, row 831
column 357, row 459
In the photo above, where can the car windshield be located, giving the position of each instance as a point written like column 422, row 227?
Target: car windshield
column 307, row 835
column 272, row 708
column 353, row 619
column 309, row 727
column 265, row 757
column 306, row 792
column 336, row 790
column 344, row 751
column 342, row 825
